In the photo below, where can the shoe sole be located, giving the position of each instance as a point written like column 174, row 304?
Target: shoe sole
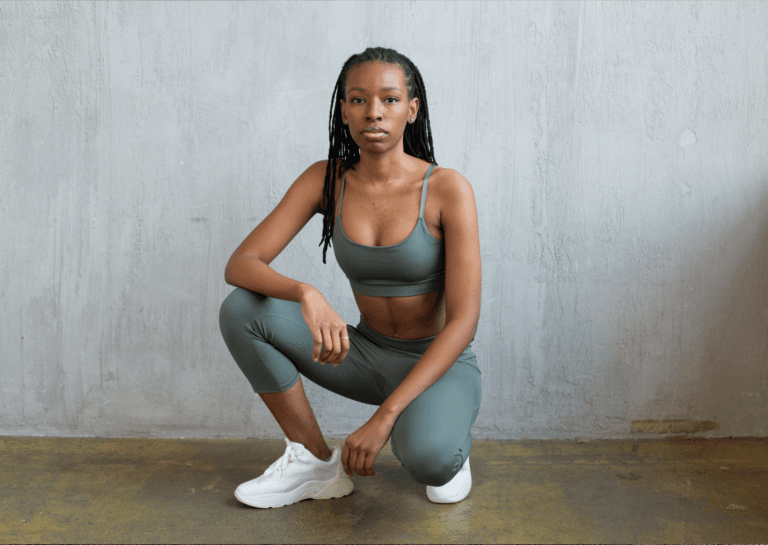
column 312, row 490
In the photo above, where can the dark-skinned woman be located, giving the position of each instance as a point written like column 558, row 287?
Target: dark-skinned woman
column 407, row 239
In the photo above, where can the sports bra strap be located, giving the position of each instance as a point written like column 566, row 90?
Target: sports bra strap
column 424, row 191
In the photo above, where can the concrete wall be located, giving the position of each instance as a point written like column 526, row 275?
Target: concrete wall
column 617, row 152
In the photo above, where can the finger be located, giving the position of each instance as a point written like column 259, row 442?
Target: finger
column 327, row 346
column 362, row 467
column 333, row 357
column 360, row 464
column 333, row 348
column 317, row 338
column 353, row 461
column 345, row 460
column 369, row 465
column 344, row 345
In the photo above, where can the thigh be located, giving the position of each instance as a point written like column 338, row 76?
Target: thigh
column 280, row 337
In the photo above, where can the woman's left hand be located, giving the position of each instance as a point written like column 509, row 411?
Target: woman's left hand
column 362, row 447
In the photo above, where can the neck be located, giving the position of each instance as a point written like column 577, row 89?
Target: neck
column 382, row 170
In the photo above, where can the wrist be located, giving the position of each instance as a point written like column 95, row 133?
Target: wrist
column 387, row 414
column 306, row 289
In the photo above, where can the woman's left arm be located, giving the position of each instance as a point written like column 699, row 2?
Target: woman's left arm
column 462, row 312
column 462, row 296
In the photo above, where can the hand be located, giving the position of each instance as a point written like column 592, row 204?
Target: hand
column 329, row 331
column 362, row 447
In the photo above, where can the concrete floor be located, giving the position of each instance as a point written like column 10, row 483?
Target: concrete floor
column 73, row 490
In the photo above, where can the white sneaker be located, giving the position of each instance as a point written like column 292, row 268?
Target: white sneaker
column 454, row 490
column 297, row 475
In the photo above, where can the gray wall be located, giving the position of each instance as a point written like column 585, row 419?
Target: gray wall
column 617, row 152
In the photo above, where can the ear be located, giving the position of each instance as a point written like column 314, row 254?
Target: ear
column 343, row 104
column 413, row 107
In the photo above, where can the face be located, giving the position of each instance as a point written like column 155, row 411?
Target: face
column 377, row 108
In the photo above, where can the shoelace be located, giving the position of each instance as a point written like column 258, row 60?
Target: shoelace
column 279, row 465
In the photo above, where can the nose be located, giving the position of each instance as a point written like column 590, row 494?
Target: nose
column 374, row 110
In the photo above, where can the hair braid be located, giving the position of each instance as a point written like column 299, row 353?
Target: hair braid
column 343, row 152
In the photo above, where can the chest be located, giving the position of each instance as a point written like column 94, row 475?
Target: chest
column 384, row 218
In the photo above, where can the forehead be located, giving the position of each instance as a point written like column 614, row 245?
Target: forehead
column 376, row 74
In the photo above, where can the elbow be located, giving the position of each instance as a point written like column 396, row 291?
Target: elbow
column 228, row 275
column 467, row 326
column 240, row 266
column 467, row 320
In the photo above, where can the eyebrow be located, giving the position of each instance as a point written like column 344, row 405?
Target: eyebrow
column 383, row 89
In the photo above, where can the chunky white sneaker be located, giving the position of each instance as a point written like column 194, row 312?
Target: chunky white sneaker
column 297, row 475
column 454, row 490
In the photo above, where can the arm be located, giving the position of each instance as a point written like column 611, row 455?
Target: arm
column 462, row 297
column 249, row 265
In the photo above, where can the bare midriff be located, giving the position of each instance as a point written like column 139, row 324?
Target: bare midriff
column 413, row 317
column 387, row 216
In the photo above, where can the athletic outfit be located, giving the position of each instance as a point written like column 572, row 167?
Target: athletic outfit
column 272, row 345
column 413, row 266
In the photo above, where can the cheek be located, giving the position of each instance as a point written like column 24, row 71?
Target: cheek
column 355, row 138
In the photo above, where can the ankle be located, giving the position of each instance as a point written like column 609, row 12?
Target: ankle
column 322, row 454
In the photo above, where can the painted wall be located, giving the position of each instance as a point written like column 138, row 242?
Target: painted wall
column 618, row 154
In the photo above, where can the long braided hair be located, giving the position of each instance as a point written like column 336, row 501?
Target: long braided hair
column 343, row 153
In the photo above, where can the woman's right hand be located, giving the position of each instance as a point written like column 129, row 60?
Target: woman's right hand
column 327, row 329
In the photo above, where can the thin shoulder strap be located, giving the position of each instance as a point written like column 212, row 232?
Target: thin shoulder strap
column 423, row 191
column 341, row 196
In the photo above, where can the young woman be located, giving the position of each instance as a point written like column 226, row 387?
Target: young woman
column 407, row 239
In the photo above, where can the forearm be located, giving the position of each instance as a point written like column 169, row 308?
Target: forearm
column 433, row 364
column 252, row 273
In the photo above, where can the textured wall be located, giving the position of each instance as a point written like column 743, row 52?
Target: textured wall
column 617, row 152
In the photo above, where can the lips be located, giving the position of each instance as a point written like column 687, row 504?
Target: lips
column 374, row 134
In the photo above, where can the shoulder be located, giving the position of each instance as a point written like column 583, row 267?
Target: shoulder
column 314, row 177
column 318, row 168
column 451, row 185
column 455, row 196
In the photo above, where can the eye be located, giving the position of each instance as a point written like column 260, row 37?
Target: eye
column 393, row 98
column 354, row 99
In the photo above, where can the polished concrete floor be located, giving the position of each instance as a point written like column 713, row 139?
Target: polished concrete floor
column 74, row 490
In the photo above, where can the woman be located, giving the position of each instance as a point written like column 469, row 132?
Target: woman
column 417, row 288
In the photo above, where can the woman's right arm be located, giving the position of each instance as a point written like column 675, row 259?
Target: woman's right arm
column 249, row 265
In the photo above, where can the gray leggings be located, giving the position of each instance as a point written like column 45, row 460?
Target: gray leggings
column 272, row 344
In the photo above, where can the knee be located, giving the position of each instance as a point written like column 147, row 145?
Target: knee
column 432, row 466
column 238, row 308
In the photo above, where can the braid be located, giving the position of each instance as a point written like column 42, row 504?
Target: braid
column 343, row 152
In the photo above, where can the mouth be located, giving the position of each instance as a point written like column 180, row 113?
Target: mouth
column 374, row 132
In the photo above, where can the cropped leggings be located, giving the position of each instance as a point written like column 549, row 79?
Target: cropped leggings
column 271, row 343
